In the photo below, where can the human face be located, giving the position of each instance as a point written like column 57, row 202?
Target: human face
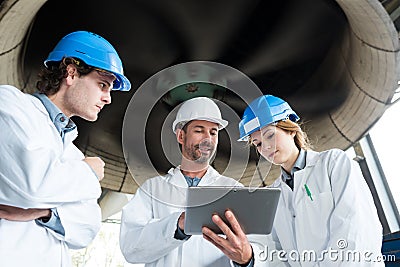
column 87, row 95
column 276, row 145
column 200, row 140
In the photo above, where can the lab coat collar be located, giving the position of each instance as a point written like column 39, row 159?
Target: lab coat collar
column 303, row 175
column 298, row 165
column 178, row 179
column 39, row 105
column 312, row 158
column 69, row 136
column 60, row 120
column 51, row 108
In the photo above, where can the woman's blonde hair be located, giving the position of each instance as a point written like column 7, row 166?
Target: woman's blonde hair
column 300, row 139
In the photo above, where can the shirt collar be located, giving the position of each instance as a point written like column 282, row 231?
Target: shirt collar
column 192, row 181
column 62, row 123
column 298, row 165
column 208, row 178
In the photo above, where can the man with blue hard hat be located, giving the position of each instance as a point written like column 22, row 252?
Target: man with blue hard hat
column 48, row 188
column 94, row 51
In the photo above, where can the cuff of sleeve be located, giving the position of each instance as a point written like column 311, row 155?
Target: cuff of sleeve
column 249, row 264
column 179, row 234
column 54, row 223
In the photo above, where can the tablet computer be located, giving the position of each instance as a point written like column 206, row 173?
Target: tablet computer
column 254, row 208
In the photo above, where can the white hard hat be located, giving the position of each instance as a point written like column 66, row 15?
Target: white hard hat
column 199, row 108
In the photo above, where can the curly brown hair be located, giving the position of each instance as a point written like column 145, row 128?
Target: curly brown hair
column 50, row 78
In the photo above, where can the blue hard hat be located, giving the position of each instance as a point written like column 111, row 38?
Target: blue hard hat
column 95, row 51
column 263, row 111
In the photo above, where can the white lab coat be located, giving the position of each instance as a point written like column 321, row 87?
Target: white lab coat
column 342, row 209
column 149, row 222
column 38, row 171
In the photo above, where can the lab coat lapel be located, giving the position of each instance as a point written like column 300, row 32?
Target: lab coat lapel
column 283, row 223
column 177, row 184
column 210, row 177
column 69, row 137
column 39, row 105
column 176, row 177
column 302, row 177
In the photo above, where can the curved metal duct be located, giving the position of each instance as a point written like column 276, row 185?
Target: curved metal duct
column 336, row 62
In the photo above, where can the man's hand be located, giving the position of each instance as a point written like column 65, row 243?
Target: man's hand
column 22, row 215
column 181, row 221
column 235, row 246
column 97, row 165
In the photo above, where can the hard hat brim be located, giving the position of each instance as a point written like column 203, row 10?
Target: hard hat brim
column 123, row 84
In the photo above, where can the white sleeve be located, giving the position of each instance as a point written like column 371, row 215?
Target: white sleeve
column 263, row 248
column 354, row 223
column 81, row 222
column 144, row 238
column 33, row 173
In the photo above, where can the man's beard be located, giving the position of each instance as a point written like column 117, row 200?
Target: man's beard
column 196, row 154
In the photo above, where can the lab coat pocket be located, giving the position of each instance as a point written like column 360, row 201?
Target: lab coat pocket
column 315, row 215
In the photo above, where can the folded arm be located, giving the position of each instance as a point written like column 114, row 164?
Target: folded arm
column 11, row 213
column 36, row 170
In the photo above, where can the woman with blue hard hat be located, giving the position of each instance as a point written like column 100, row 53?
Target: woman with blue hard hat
column 48, row 188
column 325, row 205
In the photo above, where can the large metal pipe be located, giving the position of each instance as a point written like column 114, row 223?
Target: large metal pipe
column 336, row 62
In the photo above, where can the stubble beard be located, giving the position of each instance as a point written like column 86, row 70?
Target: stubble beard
column 197, row 156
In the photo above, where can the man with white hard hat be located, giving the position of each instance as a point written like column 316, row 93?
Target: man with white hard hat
column 152, row 228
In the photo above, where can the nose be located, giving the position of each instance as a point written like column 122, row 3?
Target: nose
column 106, row 97
column 208, row 135
column 266, row 145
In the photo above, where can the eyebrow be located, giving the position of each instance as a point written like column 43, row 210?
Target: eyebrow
column 107, row 82
column 255, row 139
column 267, row 131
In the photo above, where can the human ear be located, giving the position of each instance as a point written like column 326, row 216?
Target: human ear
column 180, row 136
column 71, row 72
